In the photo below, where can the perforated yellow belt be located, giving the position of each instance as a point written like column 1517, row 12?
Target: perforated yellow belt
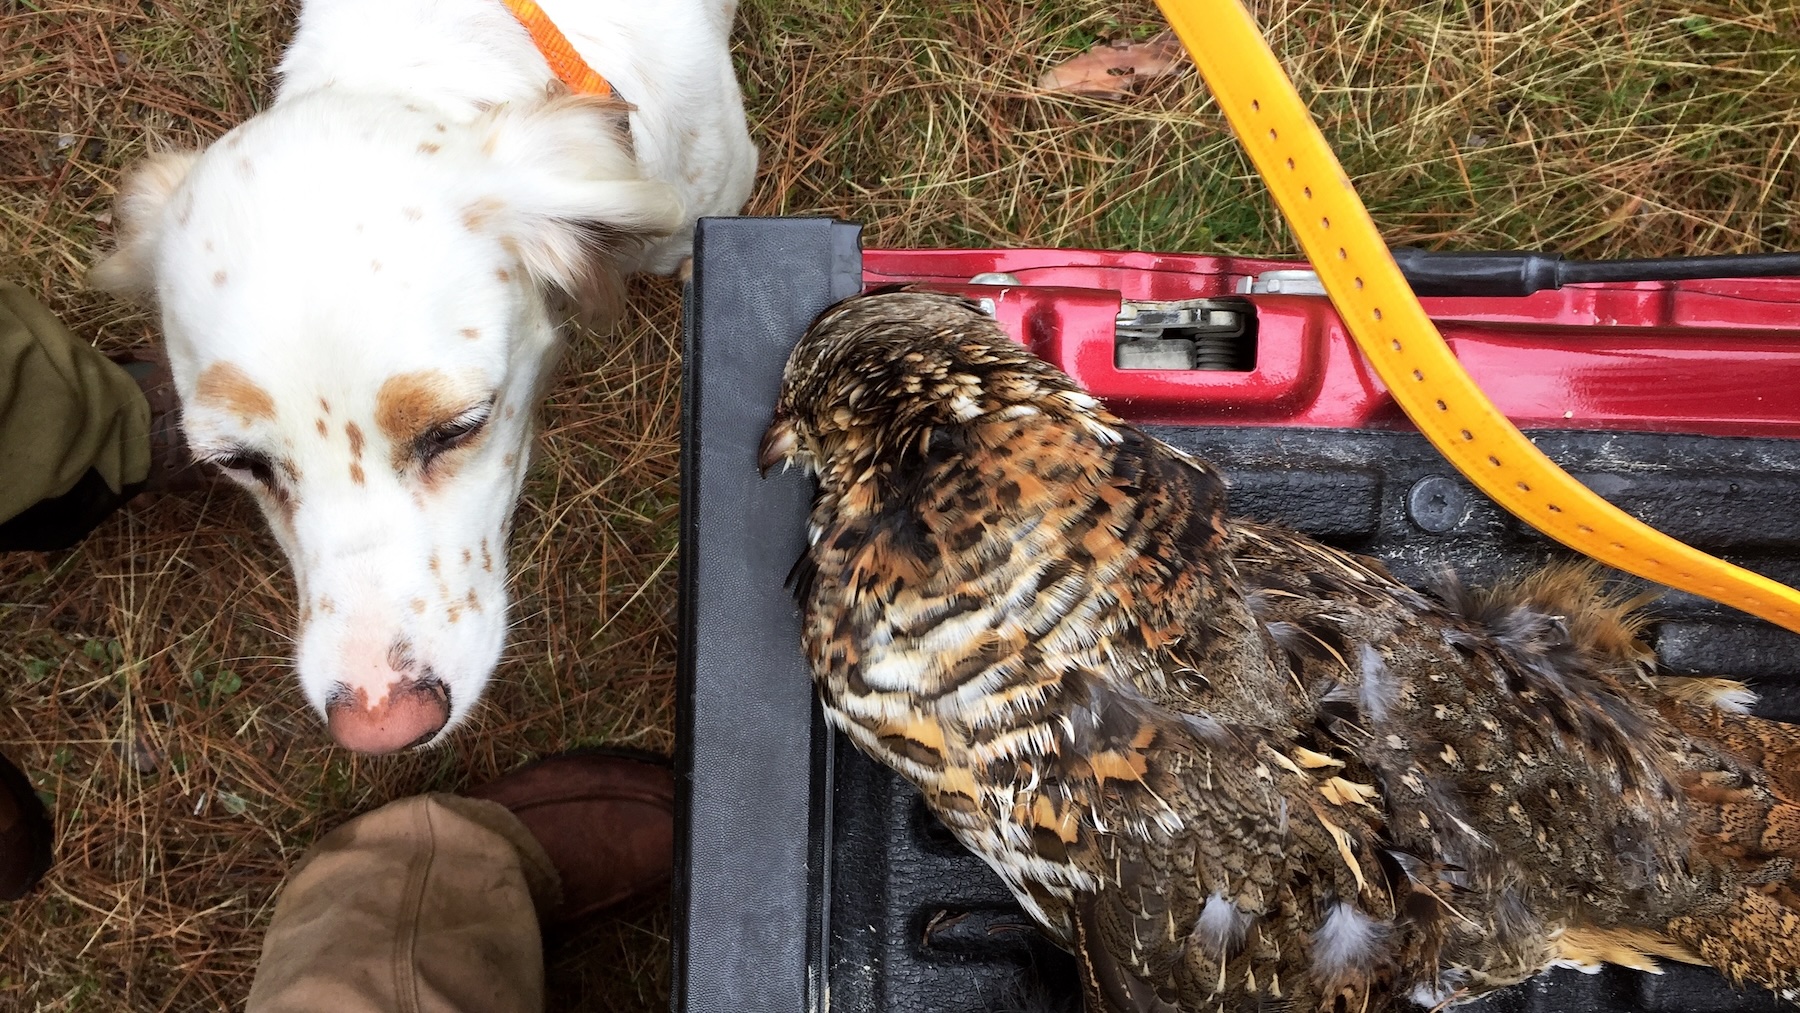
column 1404, row 346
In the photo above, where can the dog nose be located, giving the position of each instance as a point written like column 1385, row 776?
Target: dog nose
column 411, row 713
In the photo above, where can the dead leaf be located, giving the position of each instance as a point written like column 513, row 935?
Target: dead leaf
column 1113, row 69
column 142, row 753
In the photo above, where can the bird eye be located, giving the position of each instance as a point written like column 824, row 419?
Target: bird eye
column 459, row 431
column 246, row 464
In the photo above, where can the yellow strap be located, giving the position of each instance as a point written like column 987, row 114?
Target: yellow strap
column 564, row 61
column 1402, row 343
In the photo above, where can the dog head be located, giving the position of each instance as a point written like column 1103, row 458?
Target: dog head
column 358, row 301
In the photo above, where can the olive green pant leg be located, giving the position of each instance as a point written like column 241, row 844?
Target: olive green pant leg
column 64, row 409
column 426, row 905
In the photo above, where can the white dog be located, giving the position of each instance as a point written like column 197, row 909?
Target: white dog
column 359, row 288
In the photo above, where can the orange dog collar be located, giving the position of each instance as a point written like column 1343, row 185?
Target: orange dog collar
column 564, row 61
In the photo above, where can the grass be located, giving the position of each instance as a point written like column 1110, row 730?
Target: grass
column 142, row 676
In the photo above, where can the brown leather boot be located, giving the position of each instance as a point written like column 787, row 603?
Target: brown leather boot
column 25, row 833
column 172, row 468
column 605, row 818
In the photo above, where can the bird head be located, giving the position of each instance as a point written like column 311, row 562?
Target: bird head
column 879, row 375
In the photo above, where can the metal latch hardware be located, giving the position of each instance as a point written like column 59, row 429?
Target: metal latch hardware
column 1218, row 334
column 1291, row 281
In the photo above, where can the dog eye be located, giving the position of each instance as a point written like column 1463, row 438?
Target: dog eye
column 463, row 429
column 246, row 462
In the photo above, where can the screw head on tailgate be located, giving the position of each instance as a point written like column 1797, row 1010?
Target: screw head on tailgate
column 1437, row 504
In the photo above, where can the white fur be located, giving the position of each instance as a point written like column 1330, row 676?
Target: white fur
column 1435, row 995
column 410, row 202
column 1349, row 940
column 1222, row 926
column 1737, row 700
column 1379, row 690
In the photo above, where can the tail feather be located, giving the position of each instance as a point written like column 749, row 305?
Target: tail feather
column 1725, row 694
column 1588, row 947
column 1749, row 803
column 1743, row 789
column 1741, row 778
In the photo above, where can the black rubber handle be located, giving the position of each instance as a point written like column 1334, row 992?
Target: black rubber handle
column 1517, row 274
column 1493, row 274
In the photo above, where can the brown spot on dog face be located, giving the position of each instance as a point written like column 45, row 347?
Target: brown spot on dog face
column 453, row 613
column 487, row 559
column 477, row 214
column 439, row 127
column 320, row 425
column 325, row 406
column 228, row 388
column 356, row 472
column 355, row 434
column 468, row 557
column 504, row 275
column 507, row 461
column 474, row 603
column 434, row 564
column 471, row 333
column 428, row 148
column 411, row 404
column 326, row 605
column 509, row 411
column 218, row 277
column 418, row 606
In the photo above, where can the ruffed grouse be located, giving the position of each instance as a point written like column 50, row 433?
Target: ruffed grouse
column 1230, row 767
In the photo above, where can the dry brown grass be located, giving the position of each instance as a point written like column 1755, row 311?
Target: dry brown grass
column 145, row 686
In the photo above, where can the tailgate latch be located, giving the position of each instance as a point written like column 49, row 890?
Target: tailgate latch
column 1217, row 334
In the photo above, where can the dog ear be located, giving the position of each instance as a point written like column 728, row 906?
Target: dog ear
column 567, row 197
column 137, row 220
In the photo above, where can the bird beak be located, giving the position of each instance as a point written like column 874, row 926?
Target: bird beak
column 777, row 445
